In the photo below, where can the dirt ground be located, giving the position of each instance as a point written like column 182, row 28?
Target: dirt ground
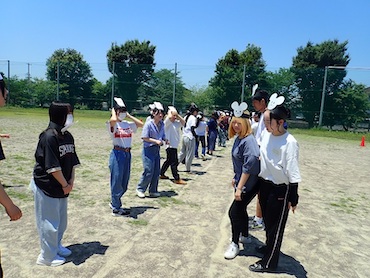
column 185, row 232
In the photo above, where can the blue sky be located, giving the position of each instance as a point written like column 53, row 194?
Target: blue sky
column 193, row 34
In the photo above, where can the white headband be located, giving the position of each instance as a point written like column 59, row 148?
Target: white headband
column 239, row 109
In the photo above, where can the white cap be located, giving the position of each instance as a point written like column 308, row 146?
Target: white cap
column 158, row 105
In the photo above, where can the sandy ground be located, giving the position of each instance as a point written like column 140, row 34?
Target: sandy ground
column 185, row 232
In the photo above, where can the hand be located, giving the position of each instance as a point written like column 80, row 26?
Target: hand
column 13, row 212
column 159, row 142
column 68, row 189
column 292, row 208
column 238, row 195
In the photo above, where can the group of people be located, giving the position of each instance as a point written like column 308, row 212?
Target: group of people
column 265, row 163
column 264, row 159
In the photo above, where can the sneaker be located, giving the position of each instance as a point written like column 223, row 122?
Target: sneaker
column 245, row 239
column 203, row 157
column 140, row 194
column 255, row 225
column 180, row 181
column 163, row 177
column 121, row 212
column 55, row 262
column 155, row 194
column 64, row 251
column 232, row 251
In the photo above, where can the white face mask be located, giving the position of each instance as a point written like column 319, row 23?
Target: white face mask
column 122, row 115
column 68, row 123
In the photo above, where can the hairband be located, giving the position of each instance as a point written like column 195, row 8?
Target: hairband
column 275, row 101
column 239, row 108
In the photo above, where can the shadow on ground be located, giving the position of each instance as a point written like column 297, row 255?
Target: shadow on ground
column 82, row 251
column 287, row 264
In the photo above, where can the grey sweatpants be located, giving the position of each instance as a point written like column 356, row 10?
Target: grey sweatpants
column 187, row 151
column 51, row 221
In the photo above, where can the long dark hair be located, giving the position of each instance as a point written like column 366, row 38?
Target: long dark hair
column 58, row 112
column 2, row 84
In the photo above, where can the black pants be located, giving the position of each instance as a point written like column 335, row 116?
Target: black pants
column 172, row 160
column 274, row 205
column 239, row 216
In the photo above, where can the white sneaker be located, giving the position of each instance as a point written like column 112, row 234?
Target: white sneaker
column 155, row 194
column 55, row 262
column 232, row 251
column 245, row 239
column 140, row 194
column 64, row 251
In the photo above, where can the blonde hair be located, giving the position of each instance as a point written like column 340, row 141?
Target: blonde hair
column 246, row 127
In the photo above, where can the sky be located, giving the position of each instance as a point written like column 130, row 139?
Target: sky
column 193, row 34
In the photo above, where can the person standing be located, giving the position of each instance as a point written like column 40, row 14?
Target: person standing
column 11, row 209
column 53, row 180
column 121, row 132
column 259, row 100
column 200, row 131
column 172, row 125
column 188, row 139
column 246, row 166
column 278, row 186
column 212, row 132
column 153, row 136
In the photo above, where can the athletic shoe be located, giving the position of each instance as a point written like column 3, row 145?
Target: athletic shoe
column 55, row 262
column 232, row 251
column 155, row 194
column 256, row 226
column 63, row 251
column 180, row 181
column 163, row 177
column 140, row 194
column 245, row 239
column 121, row 212
column 203, row 157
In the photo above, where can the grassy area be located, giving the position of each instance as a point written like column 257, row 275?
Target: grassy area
column 96, row 116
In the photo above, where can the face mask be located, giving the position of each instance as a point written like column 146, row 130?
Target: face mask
column 122, row 115
column 68, row 123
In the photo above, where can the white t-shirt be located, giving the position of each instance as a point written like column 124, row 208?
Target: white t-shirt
column 279, row 158
column 122, row 133
column 192, row 121
column 172, row 131
column 261, row 126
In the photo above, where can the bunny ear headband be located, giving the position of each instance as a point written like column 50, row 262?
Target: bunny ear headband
column 254, row 89
column 239, row 108
column 275, row 101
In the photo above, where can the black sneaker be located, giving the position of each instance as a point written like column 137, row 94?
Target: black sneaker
column 121, row 212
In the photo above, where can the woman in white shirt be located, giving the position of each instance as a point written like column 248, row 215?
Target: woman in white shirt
column 278, row 185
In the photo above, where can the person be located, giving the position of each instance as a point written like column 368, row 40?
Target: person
column 188, row 139
column 121, row 132
column 259, row 101
column 246, row 165
column 279, row 178
column 222, row 129
column 200, row 131
column 11, row 209
column 172, row 125
column 153, row 136
column 53, row 180
column 255, row 120
column 212, row 132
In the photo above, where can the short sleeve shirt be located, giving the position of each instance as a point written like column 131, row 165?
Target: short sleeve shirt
column 55, row 152
column 151, row 130
column 122, row 133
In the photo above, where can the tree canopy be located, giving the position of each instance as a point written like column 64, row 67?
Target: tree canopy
column 132, row 65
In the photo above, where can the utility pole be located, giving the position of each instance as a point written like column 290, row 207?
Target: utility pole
column 243, row 86
column 58, row 80
column 113, row 69
column 174, row 86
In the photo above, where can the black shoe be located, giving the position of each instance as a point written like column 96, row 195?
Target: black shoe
column 258, row 267
column 261, row 249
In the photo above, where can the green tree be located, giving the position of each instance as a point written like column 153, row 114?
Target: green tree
column 74, row 73
column 309, row 67
column 228, row 80
column 44, row 91
column 202, row 96
column 132, row 65
column 351, row 103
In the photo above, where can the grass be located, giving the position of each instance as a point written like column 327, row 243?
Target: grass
column 338, row 134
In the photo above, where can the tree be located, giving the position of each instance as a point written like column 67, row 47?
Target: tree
column 44, row 91
column 228, row 80
column 351, row 103
column 132, row 65
column 309, row 68
column 74, row 73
